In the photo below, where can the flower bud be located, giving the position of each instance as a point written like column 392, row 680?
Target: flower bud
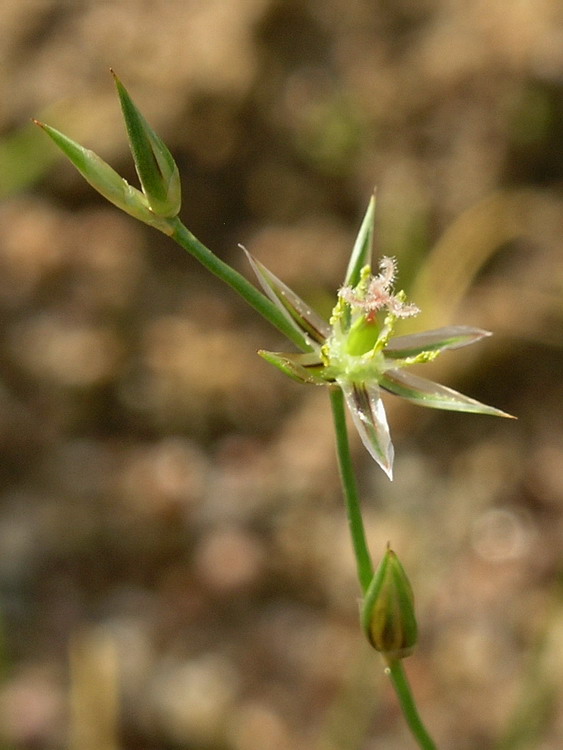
column 155, row 166
column 387, row 615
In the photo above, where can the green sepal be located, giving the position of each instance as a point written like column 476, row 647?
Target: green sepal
column 305, row 320
column 368, row 412
column 387, row 614
column 154, row 163
column 425, row 392
column 363, row 247
column 106, row 180
column 450, row 337
column 304, row 368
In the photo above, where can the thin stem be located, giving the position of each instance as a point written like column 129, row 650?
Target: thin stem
column 364, row 564
column 350, row 489
column 408, row 705
column 236, row 281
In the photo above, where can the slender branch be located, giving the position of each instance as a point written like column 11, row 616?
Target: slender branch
column 410, row 712
column 236, row 281
column 350, row 489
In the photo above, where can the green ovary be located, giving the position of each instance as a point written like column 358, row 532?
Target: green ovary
column 362, row 336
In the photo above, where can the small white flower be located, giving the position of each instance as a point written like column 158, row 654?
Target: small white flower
column 357, row 352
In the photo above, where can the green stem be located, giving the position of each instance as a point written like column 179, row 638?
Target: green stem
column 364, row 564
column 236, row 281
column 350, row 489
column 408, row 705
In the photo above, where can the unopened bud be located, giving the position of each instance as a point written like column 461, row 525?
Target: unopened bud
column 388, row 616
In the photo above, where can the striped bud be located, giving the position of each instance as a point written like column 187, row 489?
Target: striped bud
column 388, row 617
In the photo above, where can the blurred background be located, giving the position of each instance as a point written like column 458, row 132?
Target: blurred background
column 175, row 568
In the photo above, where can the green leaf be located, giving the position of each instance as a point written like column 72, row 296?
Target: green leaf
column 361, row 253
column 23, row 160
column 155, row 166
column 105, row 180
column 433, row 395
column 451, row 337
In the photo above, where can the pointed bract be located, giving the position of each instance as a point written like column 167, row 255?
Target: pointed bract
column 154, row 163
column 363, row 247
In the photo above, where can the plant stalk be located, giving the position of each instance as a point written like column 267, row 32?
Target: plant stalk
column 255, row 298
column 364, row 563
column 400, row 682
column 350, row 489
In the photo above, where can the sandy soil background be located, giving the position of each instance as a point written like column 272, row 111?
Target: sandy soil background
column 175, row 570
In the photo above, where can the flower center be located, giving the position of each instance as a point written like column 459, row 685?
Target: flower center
column 362, row 323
